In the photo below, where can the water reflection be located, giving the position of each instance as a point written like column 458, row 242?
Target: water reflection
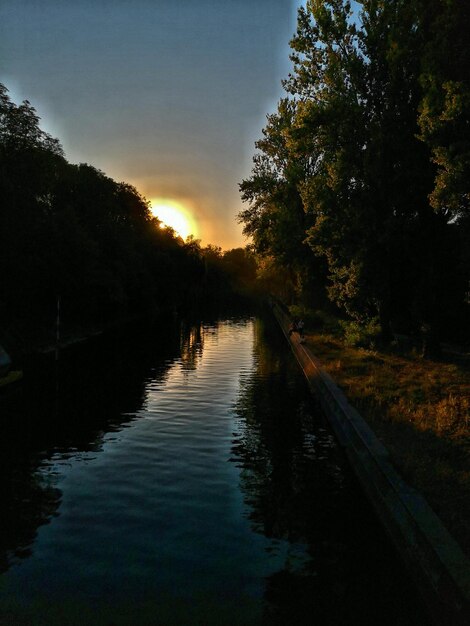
column 126, row 454
column 192, row 344
column 285, row 452
column 27, row 503
column 298, row 489
column 66, row 408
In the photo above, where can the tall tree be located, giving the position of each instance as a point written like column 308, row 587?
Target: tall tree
column 372, row 169
column 364, row 173
column 275, row 217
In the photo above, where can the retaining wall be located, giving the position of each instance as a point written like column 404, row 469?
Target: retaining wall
column 431, row 554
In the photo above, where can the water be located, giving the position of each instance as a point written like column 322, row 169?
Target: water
column 186, row 479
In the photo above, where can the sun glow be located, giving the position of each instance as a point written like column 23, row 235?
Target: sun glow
column 174, row 215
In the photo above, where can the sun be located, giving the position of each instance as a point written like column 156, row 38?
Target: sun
column 174, row 215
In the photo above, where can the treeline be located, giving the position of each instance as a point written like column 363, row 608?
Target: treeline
column 359, row 194
column 71, row 231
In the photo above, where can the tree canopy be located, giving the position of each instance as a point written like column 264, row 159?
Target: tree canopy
column 365, row 162
column 72, row 231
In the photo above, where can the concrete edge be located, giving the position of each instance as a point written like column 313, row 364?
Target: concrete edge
column 435, row 560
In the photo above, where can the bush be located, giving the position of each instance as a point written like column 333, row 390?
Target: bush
column 314, row 320
column 364, row 335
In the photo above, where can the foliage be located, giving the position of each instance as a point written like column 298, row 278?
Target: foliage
column 445, row 107
column 275, row 218
column 365, row 163
column 71, row 231
column 364, row 335
column 316, row 319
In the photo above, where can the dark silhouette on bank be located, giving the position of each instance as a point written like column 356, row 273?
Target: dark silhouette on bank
column 72, row 232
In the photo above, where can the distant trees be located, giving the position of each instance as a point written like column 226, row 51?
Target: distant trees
column 365, row 162
column 225, row 275
column 72, row 231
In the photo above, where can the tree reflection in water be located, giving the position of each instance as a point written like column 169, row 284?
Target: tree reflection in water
column 191, row 344
column 67, row 408
column 298, row 489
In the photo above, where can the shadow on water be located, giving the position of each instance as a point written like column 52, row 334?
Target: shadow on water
column 66, row 407
column 298, row 488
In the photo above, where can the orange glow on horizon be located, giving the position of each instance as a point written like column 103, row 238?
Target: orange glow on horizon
column 173, row 214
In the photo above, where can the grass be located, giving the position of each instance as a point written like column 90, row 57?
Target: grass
column 420, row 409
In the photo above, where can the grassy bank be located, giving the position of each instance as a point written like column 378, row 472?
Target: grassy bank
column 420, row 409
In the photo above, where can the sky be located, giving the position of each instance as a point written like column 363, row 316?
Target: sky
column 167, row 95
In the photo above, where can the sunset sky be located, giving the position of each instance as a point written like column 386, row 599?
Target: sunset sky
column 168, row 95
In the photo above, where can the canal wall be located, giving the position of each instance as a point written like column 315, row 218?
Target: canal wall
column 433, row 557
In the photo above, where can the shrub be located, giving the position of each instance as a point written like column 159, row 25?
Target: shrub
column 364, row 335
column 315, row 320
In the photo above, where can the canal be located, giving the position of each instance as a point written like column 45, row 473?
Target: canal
column 186, row 476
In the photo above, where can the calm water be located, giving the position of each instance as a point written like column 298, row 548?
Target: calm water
column 186, row 479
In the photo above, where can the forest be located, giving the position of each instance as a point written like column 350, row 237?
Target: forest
column 70, row 233
column 359, row 197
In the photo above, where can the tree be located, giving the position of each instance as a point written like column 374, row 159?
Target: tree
column 363, row 171
column 71, row 230
column 445, row 106
column 359, row 91
column 240, row 266
column 276, row 218
column 30, row 163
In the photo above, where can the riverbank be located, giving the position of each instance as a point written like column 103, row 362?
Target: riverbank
column 25, row 342
column 436, row 561
column 420, row 410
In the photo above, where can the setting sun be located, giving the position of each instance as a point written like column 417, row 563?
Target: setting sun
column 174, row 215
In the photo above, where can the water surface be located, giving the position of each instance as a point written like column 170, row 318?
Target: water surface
column 187, row 478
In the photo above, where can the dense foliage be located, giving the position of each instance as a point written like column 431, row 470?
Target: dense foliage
column 361, row 181
column 71, row 231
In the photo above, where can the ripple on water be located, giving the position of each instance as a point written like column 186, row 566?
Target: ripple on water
column 191, row 508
